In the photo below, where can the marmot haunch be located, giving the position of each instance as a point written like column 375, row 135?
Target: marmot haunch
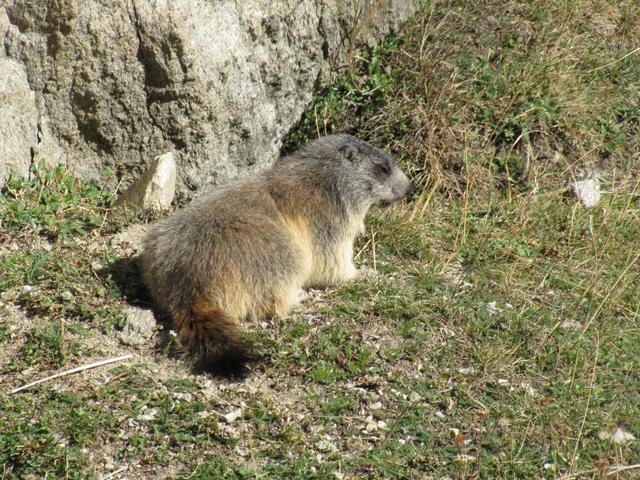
column 246, row 250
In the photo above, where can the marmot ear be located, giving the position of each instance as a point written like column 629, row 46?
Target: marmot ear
column 349, row 152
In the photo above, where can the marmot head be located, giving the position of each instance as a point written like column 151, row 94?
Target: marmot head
column 359, row 173
column 371, row 172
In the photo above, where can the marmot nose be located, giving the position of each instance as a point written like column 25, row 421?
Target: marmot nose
column 411, row 190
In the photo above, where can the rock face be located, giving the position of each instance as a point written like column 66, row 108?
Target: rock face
column 117, row 82
column 18, row 118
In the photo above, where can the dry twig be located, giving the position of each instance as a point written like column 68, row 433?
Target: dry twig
column 73, row 370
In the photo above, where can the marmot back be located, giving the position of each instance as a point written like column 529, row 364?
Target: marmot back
column 246, row 250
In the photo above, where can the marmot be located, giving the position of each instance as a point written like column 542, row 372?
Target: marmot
column 247, row 249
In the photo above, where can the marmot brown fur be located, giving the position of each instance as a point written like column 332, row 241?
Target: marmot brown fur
column 246, row 250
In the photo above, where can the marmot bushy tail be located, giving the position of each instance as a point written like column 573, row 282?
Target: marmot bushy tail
column 212, row 338
column 246, row 250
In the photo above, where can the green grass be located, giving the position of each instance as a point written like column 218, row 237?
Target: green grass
column 53, row 204
column 500, row 337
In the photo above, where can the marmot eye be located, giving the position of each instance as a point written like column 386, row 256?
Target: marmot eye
column 383, row 168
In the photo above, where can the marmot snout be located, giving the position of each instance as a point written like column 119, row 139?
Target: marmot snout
column 246, row 250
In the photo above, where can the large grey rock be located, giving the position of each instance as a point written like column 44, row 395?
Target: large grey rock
column 18, row 120
column 25, row 136
column 118, row 82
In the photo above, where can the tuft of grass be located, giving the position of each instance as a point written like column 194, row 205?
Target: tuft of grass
column 494, row 97
column 55, row 205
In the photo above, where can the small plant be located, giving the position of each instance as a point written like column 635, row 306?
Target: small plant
column 56, row 205
column 53, row 204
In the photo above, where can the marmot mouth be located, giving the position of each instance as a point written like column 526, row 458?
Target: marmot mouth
column 384, row 203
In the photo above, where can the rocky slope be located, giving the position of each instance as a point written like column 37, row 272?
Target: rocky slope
column 106, row 85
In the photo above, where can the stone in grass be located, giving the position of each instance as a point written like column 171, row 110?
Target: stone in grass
column 617, row 435
column 138, row 327
column 156, row 187
column 148, row 414
column 232, row 416
column 588, row 190
column 326, row 445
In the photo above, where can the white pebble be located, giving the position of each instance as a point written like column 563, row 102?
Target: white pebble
column 232, row 416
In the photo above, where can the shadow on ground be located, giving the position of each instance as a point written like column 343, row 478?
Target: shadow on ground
column 126, row 273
